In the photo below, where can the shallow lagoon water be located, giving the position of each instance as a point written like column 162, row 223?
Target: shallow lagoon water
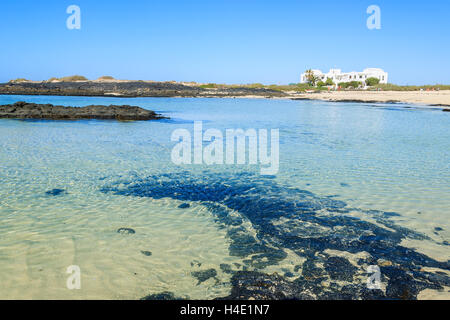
column 381, row 164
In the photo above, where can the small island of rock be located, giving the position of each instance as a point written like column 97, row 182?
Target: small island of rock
column 24, row 110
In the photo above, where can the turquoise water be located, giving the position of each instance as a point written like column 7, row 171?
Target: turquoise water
column 341, row 160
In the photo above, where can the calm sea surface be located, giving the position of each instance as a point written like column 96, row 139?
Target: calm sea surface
column 68, row 186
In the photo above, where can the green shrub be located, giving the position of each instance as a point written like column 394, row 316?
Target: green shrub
column 255, row 85
column 372, row 81
column 321, row 84
column 68, row 79
column 329, row 82
column 73, row 78
column 19, row 80
column 352, row 84
column 209, row 86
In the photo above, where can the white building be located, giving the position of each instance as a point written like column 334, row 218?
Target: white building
column 338, row 76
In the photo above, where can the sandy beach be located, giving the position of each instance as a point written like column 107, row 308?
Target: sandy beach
column 430, row 98
column 129, row 88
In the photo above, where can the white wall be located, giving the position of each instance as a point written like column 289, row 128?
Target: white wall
column 337, row 76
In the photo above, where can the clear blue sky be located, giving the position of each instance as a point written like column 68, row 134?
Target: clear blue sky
column 224, row 41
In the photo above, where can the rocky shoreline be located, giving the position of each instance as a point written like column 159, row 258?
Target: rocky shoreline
column 131, row 89
column 24, row 110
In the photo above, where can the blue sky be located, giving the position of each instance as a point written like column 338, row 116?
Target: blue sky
column 224, row 41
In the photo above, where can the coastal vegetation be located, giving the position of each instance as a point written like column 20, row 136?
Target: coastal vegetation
column 209, row 86
column 69, row 79
column 372, row 81
column 292, row 87
column 350, row 85
column 329, row 82
column 18, row 80
column 311, row 78
column 394, row 87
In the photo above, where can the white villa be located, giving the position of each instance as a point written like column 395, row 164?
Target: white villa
column 338, row 76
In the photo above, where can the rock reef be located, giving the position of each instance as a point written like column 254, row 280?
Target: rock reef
column 24, row 110
column 130, row 89
column 317, row 229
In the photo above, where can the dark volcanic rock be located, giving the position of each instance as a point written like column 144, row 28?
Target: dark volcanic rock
column 340, row 269
column 204, row 275
column 166, row 295
column 24, row 110
column 401, row 285
column 310, row 271
column 261, row 286
column 226, row 268
column 130, row 89
column 126, row 231
column 284, row 218
column 55, row 192
column 146, row 253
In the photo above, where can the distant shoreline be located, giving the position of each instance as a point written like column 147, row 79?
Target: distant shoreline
column 135, row 89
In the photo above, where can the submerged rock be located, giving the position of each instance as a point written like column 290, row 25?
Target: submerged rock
column 184, row 205
column 125, row 231
column 260, row 286
column 401, row 285
column 55, row 192
column 204, row 275
column 285, row 218
column 24, row 110
column 196, row 263
column 340, row 269
column 310, row 270
column 226, row 268
column 166, row 295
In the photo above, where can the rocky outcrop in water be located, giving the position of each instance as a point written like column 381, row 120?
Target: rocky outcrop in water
column 126, row 231
column 317, row 229
column 130, row 89
column 24, row 110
